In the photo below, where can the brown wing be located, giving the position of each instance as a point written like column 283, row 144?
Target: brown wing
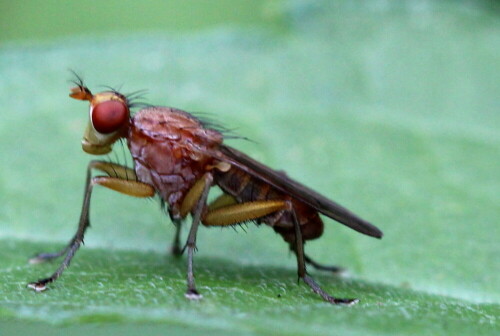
column 298, row 191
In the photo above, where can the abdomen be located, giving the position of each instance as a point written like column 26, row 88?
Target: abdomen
column 245, row 188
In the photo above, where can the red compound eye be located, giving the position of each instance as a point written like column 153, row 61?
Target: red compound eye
column 109, row 116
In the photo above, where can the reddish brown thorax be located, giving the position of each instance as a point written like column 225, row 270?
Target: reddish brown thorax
column 169, row 148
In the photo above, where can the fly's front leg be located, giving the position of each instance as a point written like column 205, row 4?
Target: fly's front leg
column 82, row 226
column 42, row 257
column 132, row 188
column 195, row 201
column 301, row 266
column 113, row 170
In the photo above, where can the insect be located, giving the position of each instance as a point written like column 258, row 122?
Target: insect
column 180, row 158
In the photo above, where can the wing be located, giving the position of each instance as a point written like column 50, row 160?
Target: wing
column 298, row 191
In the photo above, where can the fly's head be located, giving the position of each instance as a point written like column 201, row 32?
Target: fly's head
column 109, row 118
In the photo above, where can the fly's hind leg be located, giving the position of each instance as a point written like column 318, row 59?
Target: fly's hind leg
column 301, row 267
column 322, row 267
column 319, row 266
column 118, row 183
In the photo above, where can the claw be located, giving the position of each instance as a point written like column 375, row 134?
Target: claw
column 176, row 251
column 37, row 286
column 347, row 302
column 317, row 289
column 192, row 294
column 36, row 260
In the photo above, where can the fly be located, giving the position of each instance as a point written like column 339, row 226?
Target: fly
column 180, row 158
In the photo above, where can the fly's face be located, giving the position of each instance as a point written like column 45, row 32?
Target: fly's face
column 109, row 119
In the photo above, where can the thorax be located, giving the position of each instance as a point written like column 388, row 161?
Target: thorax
column 170, row 149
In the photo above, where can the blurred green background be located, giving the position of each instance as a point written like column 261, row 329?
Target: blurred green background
column 390, row 108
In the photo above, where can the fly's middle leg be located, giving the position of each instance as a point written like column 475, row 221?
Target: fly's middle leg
column 195, row 201
column 176, row 248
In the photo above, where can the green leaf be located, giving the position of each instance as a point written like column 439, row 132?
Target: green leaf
column 392, row 111
column 105, row 286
